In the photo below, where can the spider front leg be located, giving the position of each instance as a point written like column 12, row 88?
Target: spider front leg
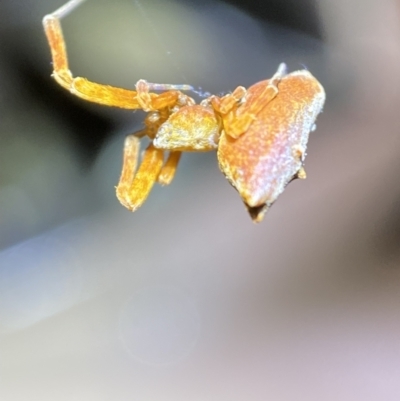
column 133, row 189
column 168, row 170
column 98, row 93
column 240, row 109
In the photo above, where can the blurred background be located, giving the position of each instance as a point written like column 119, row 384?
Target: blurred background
column 187, row 299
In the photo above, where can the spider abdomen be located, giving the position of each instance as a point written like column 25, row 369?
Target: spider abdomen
column 262, row 161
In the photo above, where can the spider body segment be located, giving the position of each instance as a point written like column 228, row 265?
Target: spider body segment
column 270, row 154
column 260, row 134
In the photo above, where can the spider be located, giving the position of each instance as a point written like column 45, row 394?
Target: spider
column 260, row 133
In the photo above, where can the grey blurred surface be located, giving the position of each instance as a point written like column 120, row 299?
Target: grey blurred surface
column 187, row 299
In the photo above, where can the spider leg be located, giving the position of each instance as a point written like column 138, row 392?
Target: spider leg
column 129, row 165
column 168, row 170
column 227, row 103
column 94, row 92
column 152, row 123
column 132, row 190
column 239, row 113
column 150, row 101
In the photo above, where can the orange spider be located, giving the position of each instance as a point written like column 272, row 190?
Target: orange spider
column 260, row 133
